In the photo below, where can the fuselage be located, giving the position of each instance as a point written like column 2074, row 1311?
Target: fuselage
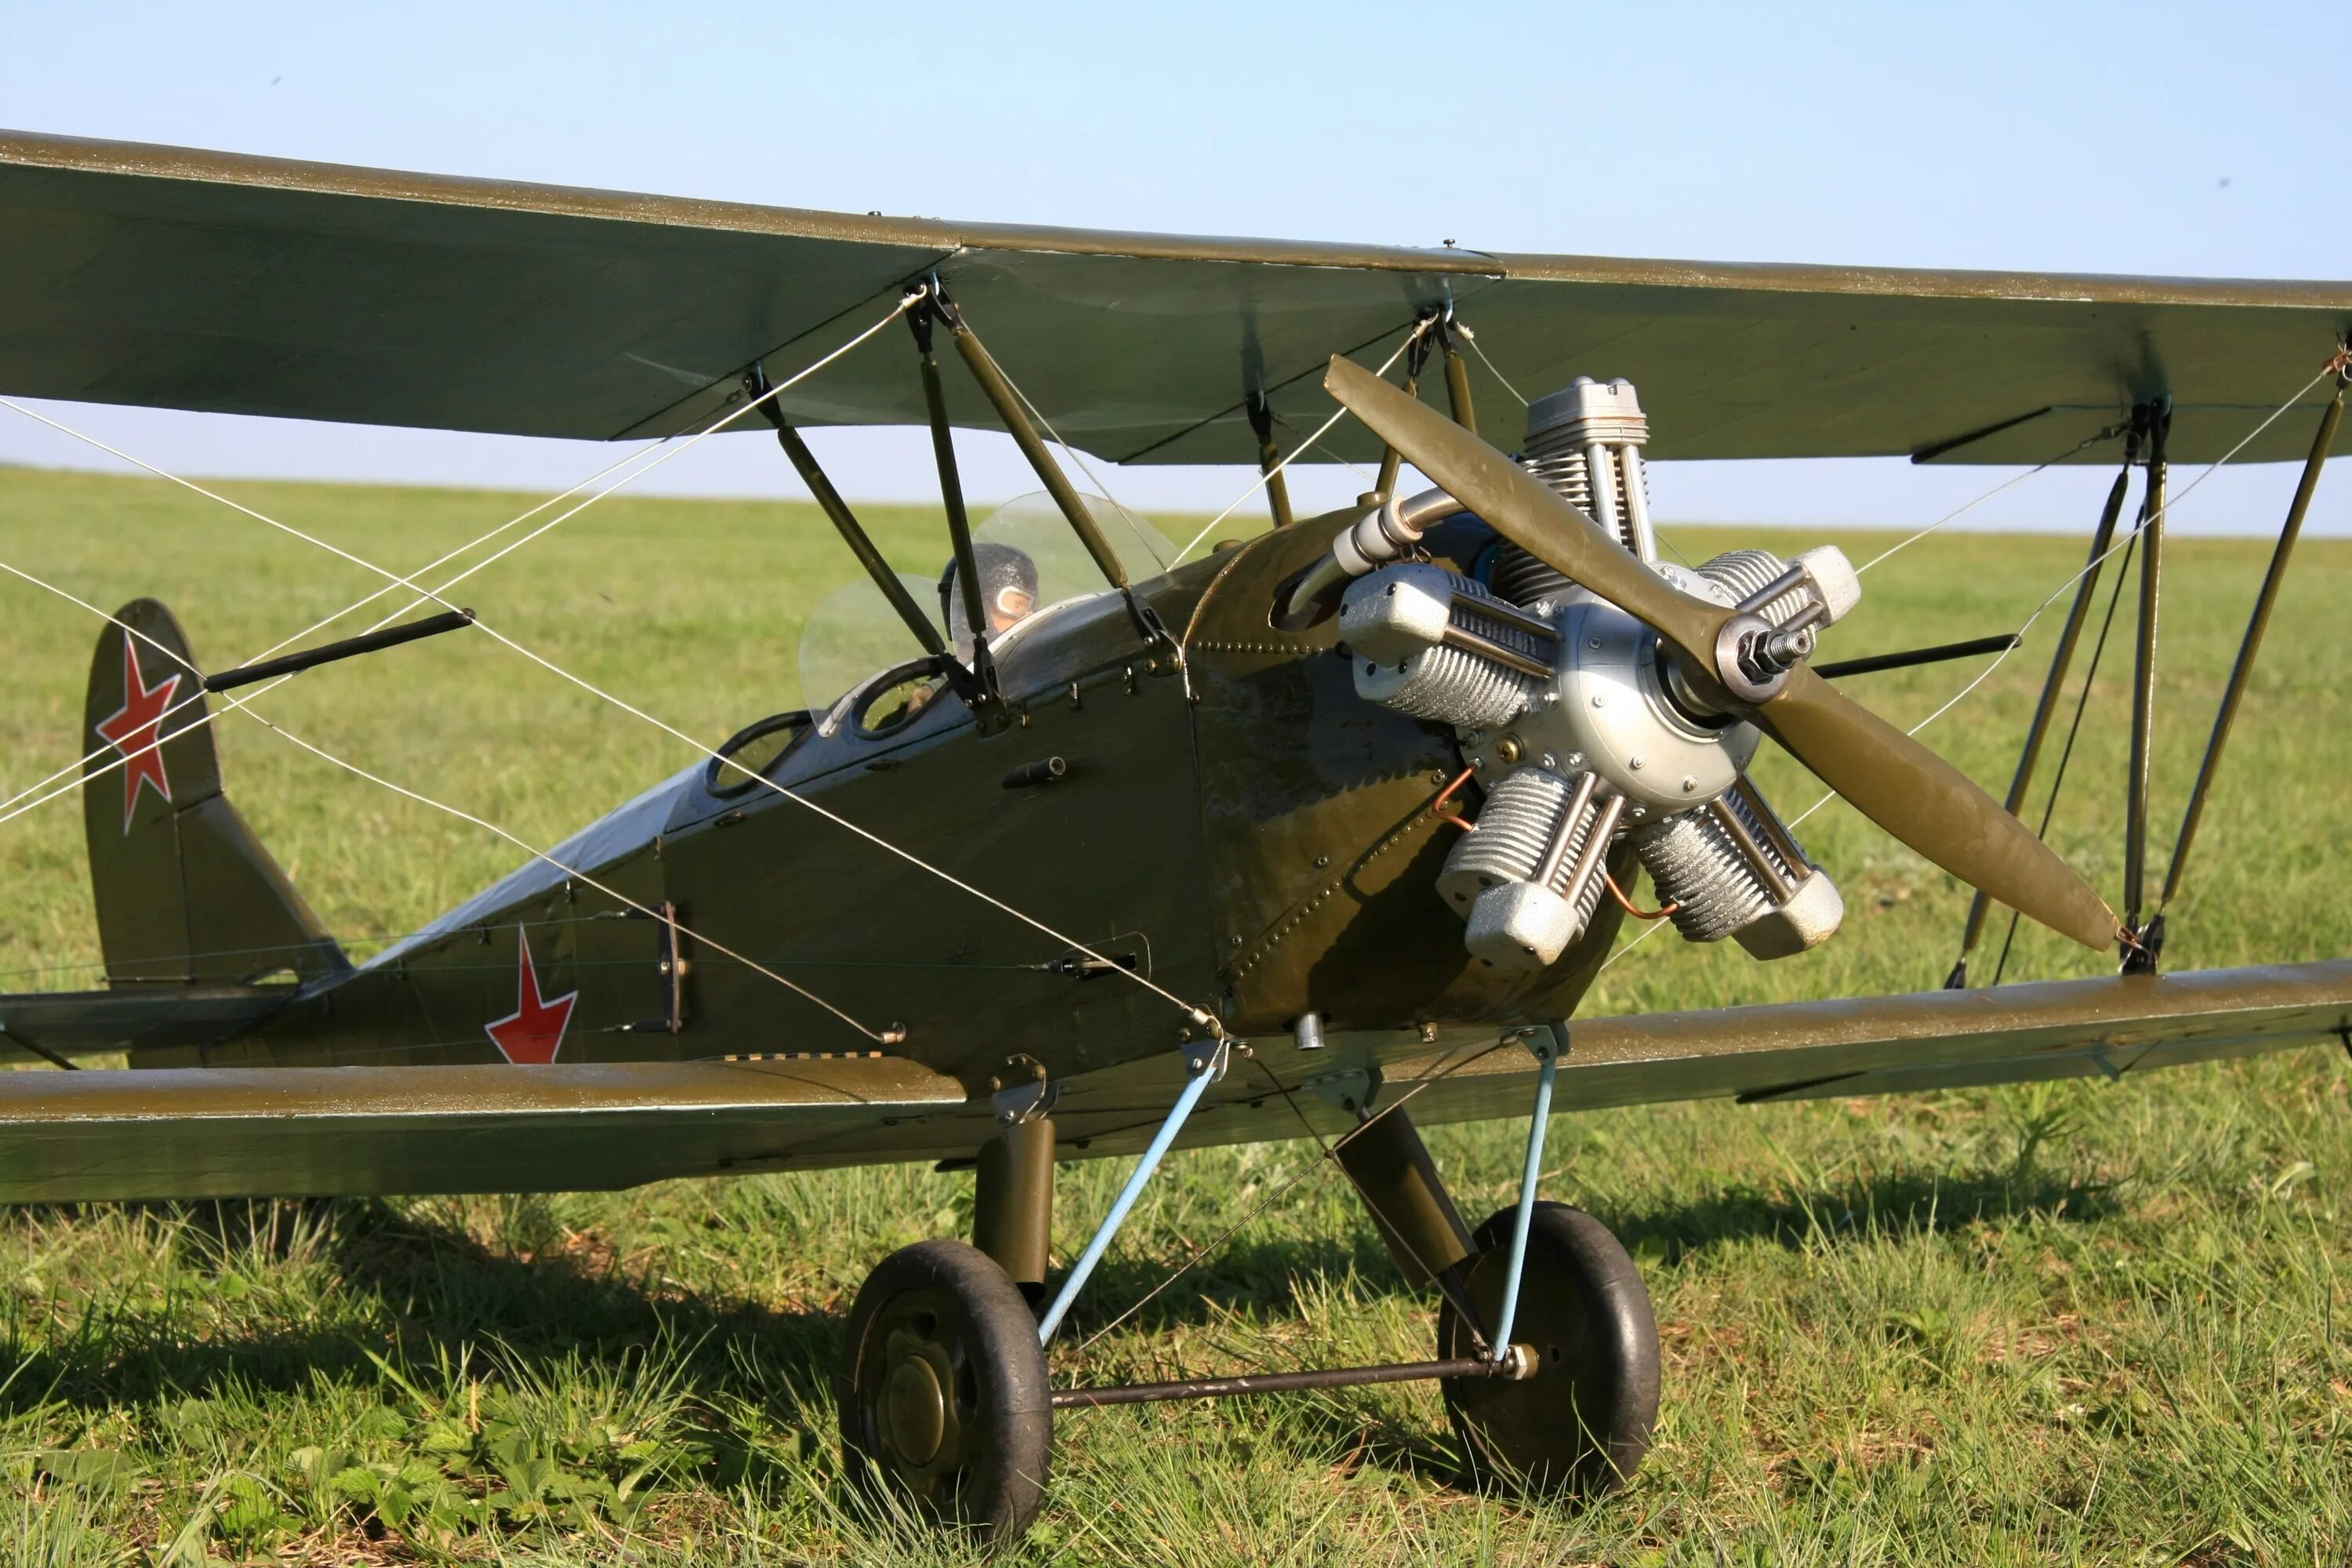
column 1242, row 831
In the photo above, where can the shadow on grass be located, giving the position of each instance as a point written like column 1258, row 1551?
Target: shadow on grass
column 433, row 1292
column 426, row 1293
column 1897, row 1204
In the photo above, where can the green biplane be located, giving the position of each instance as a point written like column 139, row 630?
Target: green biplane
column 1327, row 832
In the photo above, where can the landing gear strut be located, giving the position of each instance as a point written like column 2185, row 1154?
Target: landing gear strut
column 1546, row 1345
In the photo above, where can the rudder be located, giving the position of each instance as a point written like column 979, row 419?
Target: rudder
column 185, row 893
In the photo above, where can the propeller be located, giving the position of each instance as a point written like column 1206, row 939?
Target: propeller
column 1886, row 775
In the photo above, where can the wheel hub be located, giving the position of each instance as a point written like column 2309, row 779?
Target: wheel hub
column 914, row 1410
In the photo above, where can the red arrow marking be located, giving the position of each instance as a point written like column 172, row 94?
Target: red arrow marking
column 533, row 1032
column 135, row 731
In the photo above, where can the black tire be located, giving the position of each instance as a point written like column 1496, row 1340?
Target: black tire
column 942, row 1389
column 1581, row 1424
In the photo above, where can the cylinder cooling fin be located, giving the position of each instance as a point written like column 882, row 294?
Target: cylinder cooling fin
column 1582, row 732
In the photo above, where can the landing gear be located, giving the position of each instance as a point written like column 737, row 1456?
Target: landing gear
column 942, row 1388
column 1580, row 1424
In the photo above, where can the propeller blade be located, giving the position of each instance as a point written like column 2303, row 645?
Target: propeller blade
column 1519, row 508
column 1932, row 807
column 1889, row 777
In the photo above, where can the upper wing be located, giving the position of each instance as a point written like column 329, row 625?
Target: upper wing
column 247, row 285
column 278, row 1131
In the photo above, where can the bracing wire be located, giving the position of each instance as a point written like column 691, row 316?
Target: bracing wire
column 1492, row 369
column 2039, row 610
column 1965, row 508
column 879, row 1037
column 657, row 455
column 2073, row 731
column 1413, row 337
column 1197, row 1015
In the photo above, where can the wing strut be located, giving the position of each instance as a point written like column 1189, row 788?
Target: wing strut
column 2062, row 659
column 1002, row 396
column 2139, row 953
column 2252, row 645
column 844, row 521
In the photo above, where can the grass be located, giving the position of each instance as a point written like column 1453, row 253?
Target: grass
column 2084, row 1322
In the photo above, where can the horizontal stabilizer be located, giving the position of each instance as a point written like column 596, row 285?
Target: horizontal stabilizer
column 137, row 1017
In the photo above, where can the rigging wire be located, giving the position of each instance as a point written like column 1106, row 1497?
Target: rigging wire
column 879, row 1037
column 658, row 455
column 1472, row 339
column 1199, row 1017
column 2073, row 729
column 1983, row 675
column 536, row 853
column 1413, row 337
column 1129, row 515
column 2109, row 434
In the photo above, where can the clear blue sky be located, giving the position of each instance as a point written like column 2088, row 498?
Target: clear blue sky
column 2141, row 138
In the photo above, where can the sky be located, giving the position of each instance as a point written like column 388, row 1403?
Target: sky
column 2146, row 138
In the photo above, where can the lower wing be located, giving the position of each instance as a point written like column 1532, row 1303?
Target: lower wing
column 285, row 1131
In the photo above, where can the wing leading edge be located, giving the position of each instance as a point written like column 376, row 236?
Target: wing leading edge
column 204, row 280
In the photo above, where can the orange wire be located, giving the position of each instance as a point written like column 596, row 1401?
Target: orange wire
column 1438, row 806
column 1627, row 904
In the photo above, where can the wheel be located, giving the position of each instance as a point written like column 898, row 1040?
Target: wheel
column 942, row 1389
column 1580, row 1424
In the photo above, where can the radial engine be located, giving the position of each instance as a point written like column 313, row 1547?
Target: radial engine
column 1580, row 730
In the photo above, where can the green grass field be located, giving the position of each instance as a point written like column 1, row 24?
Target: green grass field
column 2094, row 1323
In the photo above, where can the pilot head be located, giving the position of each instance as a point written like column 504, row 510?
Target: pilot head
column 1008, row 591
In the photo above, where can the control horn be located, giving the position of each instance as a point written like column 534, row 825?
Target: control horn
column 1739, row 664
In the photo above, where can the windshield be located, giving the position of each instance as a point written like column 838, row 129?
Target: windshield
column 1031, row 563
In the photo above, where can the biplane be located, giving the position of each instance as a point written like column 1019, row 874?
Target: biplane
column 1404, row 766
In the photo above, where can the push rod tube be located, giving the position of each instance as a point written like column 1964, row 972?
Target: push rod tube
column 2252, row 647
column 853, row 533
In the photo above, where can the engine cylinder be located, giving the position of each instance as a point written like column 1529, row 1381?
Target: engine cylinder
column 1395, row 621
column 1700, row 866
column 1520, row 919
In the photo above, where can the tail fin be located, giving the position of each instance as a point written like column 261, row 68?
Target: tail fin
column 185, row 893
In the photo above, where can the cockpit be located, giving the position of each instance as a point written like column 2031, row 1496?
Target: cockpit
column 1031, row 571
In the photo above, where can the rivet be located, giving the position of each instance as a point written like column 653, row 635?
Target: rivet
column 1637, row 762
column 1601, row 700
column 1690, row 785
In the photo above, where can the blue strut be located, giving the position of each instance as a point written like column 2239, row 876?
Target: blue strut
column 1204, row 1062
column 1547, row 1054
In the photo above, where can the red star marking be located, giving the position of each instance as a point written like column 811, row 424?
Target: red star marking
column 533, row 1032
column 134, row 730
